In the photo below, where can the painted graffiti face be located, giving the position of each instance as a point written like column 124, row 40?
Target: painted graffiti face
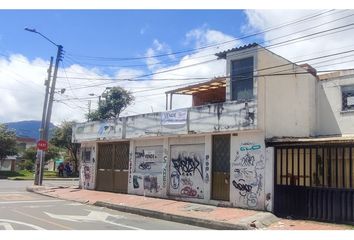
column 175, row 180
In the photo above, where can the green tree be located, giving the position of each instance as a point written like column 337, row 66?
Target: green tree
column 62, row 138
column 7, row 143
column 116, row 100
column 30, row 154
column 51, row 153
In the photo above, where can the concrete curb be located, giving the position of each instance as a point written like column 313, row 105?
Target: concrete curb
column 175, row 218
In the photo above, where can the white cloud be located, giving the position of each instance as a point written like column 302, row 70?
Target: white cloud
column 22, row 80
column 260, row 20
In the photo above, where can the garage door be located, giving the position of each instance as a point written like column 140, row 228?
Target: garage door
column 113, row 164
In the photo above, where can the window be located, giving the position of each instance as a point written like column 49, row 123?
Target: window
column 347, row 97
column 86, row 155
column 242, row 79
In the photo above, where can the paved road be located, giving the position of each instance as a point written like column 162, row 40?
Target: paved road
column 23, row 210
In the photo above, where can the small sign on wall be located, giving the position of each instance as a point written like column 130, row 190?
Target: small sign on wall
column 176, row 117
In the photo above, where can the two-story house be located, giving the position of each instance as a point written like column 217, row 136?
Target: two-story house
column 250, row 140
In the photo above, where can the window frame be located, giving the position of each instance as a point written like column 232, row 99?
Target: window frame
column 344, row 91
column 233, row 79
column 84, row 152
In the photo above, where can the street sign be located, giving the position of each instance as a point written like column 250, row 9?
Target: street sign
column 42, row 145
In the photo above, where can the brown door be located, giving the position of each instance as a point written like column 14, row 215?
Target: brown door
column 121, row 167
column 221, row 167
column 112, row 172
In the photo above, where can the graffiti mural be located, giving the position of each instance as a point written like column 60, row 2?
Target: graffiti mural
column 149, row 167
column 150, row 183
column 187, row 170
column 87, row 176
column 248, row 175
column 87, row 166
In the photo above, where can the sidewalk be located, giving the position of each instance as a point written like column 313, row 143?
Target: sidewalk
column 189, row 213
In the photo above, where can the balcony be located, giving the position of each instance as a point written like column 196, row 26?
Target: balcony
column 209, row 118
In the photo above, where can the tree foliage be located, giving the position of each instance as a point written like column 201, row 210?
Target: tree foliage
column 116, row 100
column 7, row 142
column 62, row 138
column 51, row 153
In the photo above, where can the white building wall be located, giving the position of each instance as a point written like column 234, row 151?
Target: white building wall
column 331, row 119
column 286, row 103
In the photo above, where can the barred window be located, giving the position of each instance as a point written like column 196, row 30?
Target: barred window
column 348, row 97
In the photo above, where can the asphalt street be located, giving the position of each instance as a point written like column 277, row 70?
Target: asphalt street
column 22, row 210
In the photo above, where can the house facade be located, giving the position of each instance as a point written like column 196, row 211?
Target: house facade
column 11, row 163
column 247, row 141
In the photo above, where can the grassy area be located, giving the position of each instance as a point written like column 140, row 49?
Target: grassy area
column 25, row 175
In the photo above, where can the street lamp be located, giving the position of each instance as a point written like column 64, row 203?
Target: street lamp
column 44, row 134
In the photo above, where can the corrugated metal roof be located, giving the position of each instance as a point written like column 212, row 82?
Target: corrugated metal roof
column 200, row 87
column 223, row 54
column 336, row 74
column 311, row 140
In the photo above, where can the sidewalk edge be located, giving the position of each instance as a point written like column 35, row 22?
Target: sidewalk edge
column 175, row 218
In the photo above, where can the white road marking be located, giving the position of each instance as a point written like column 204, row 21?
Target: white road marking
column 74, row 204
column 93, row 216
column 6, row 225
column 21, row 223
column 36, row 201
column 38, row 206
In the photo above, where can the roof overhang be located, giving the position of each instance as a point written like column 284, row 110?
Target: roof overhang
column 200, row 87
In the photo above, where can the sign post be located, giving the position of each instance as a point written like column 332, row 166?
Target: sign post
column 42, row 145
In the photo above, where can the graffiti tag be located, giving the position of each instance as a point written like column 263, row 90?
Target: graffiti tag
column 186, row 165
column 247, row 160
column 242, row 173
column 188, row 191
column 251, row 148
column 187, row 181
column 145, row 165
column 243, row 187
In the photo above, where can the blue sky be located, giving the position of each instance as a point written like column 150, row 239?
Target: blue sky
column 24, row 56
column 109, row 33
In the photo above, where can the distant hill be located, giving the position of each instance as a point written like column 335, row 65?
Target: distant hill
column 27, row 128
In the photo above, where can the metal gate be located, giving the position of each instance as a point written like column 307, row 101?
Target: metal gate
column 113, row 164
column 315, row 182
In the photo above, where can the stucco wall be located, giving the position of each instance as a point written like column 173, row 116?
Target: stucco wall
column 331, row 119
column 286, row 103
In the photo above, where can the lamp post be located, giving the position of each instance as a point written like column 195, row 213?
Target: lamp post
column 46, row 121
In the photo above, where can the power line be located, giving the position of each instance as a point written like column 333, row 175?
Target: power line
column 252, row 50
column 302, row 19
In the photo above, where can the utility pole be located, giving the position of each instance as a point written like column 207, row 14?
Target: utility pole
column 41, row 130
column 45, row 132
column 50, row 106
column 89, row 110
